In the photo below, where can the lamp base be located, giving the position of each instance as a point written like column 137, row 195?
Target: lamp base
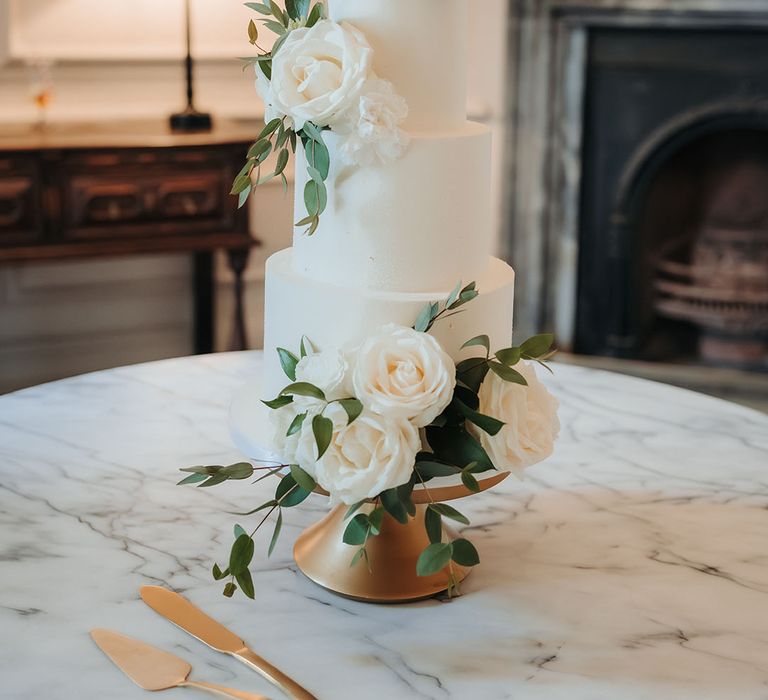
column 324, row 558
column 191, row 120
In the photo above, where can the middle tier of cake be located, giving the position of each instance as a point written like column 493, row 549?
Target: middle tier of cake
column 417, row 224
column 339, row 315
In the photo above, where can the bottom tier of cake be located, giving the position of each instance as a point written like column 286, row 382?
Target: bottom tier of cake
column 334, row 315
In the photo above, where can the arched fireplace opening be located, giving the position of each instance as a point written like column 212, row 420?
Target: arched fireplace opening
column 700, row 232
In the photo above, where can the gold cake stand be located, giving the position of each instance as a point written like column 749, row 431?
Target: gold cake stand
column 323, row 557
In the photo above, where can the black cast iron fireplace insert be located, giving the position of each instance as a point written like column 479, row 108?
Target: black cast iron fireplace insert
column 673, row 261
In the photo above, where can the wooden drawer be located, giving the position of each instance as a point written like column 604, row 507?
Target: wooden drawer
column 122, row 202
column 21, row 218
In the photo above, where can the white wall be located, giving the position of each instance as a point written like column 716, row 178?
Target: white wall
column 150, row 295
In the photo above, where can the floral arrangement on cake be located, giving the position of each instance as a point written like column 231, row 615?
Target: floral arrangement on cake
column 369, row 424
column 317, row 77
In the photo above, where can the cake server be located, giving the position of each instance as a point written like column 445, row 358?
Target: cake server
column 191, row 619
column 154, row 669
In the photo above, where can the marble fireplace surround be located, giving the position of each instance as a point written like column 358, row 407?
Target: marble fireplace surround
column 548, row 59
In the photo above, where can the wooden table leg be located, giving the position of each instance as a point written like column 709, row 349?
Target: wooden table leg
column 238, row 261
column 203, row 295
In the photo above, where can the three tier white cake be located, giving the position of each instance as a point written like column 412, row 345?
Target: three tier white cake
column 397, row 235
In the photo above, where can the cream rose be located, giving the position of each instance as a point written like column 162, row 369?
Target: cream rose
column 401, row 373
column 319, row 72
column 530, row 417
column 373, row 135
column 370, row 455
column 327, row 370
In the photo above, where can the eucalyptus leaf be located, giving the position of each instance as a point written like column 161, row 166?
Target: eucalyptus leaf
column 354, row 508
column 242, row 198
column 270, row 127
column 353, row 408
column 480, row 341
column 192, row 479
column 275, row 27
column 469, row 481
column 275, row 533
column 450, row 512
column 434, row 559
column 433, row 523
column 356, row 532
column 278, row 13
column 454, row 295
column 239, row 530
column 260, row 149
column 245, row 581
column 218, row 574
column 464, row 553
column 537, row 346
column 282, row 161
column 241, row 555
column 375, row 520
column 394, row 505
column 279, row 402
column 322, row 428
column 315, row 15
column 457, row 445
column 240, row 183
column 306, row 346
column 423, row 319
column 303, row 389
column 489, row 424
column 507, row 373
column 302, row 478
column 214, row 480
column 253, row 32
column 241, row 470
column 509, row 356
column 472, row 372
column 313, row 132
column 296, row 424
column 288, row 362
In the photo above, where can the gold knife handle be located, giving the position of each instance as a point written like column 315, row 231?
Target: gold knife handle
column 223, row 691
column 274, row 675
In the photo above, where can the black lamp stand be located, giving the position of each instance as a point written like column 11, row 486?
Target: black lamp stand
column 190, row 119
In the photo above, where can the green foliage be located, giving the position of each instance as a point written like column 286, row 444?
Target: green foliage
column 431, row 311
column 205, row 477
column 288, row 362
column 434, row 558
column 464, row 553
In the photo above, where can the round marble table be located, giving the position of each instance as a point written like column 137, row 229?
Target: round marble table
column 632, row 564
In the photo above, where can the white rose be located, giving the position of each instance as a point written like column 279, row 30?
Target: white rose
column 326, row 370
column 319, row 72
column 372, row 454
column 280, row 421
column 530, row 417
column 373, row 134
column 264, row 89
column 401, row 373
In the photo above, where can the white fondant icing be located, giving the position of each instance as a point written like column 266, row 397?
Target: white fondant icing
column 417, row 224
column 334, row 315
column 420, row 47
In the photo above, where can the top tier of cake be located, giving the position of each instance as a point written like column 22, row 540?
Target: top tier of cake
column 420, row 47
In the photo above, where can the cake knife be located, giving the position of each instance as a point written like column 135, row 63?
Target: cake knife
column 191, row 619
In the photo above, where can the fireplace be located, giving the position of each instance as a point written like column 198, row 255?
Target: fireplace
column 638, row 176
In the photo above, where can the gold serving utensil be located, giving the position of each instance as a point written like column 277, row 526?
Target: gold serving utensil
column 191, row 619
column 154, row 669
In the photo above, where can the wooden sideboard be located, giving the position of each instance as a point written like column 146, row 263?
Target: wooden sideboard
column 112, row 189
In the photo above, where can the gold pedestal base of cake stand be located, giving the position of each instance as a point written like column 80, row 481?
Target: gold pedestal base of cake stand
column 391, row 578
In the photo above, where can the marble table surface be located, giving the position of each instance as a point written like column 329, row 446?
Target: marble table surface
column 633, row 564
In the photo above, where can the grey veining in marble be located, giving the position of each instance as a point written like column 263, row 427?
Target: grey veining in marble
column 633, row 564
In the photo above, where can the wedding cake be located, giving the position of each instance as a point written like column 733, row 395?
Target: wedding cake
column 391, row 381
column 396, row 235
